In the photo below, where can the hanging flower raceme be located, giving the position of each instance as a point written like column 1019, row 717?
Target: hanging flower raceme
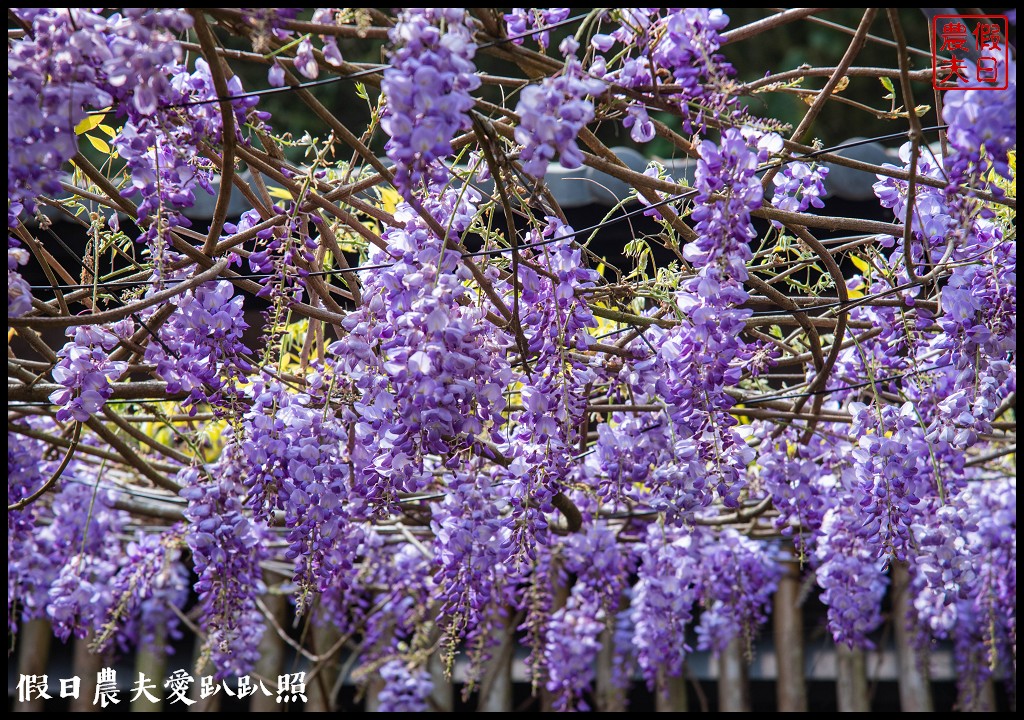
column 73, row 60
column 682, row 43
column 851, row 576
column 670, row 582
column 83, row 551
column 427, row 89
column 86, row 371
column 551, row 116
column 227, row 547
column 199, row 350
column 424, row 367
column 741, row 575
column 19, row 294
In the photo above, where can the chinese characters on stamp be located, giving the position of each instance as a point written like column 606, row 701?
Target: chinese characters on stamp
column 969, row 52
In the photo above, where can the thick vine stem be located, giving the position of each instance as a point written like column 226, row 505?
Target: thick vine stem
column 572, row 515
column 227, row 114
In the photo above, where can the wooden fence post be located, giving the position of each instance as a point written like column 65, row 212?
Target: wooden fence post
column 609, row 697
column 271, row 660
column 851, row 680
column 733, row 686
column 33, row 656
column 496, row 685
column 915, row 688
column 788, row 625
column 86, row 666
column 670, row 693
column 151, row 662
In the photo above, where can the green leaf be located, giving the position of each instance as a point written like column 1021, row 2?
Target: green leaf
column 887, row 84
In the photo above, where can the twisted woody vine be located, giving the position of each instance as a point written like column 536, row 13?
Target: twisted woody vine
column 448, row 417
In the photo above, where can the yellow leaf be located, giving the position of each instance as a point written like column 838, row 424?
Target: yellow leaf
column 389, row 199
column 99, row 144
column 279, row 193
column 109, row 131
column 90, row 122
column 860, row 264
column 854, row 294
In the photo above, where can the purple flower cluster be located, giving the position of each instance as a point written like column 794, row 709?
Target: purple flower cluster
column 405, row 689
column 572, row 636
column 227, row 549
column 555, row 323
column 628, row 450
column 698, row 359
column 982, row 127
column 78, row 554
column 161, row 149
column 670, row 580
column 27, row 572
column 399, row 579
column 86, row 371
column 199, row 349
column 19, row 294
column 473, row 580
column 426, row 368
column 799, row 186
column 284, row 255
column 683, row 41
column 851, row 577
column 522, row 20
column 965, row 579
column 740, row 576
column 796, row 477
column 892, row 468
column 934, row 221
column 151, row 583
column 551, row 116
column 573, row 640
column 71, row 60
column 723, row 225
column 427, row 89
column 296, row 463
